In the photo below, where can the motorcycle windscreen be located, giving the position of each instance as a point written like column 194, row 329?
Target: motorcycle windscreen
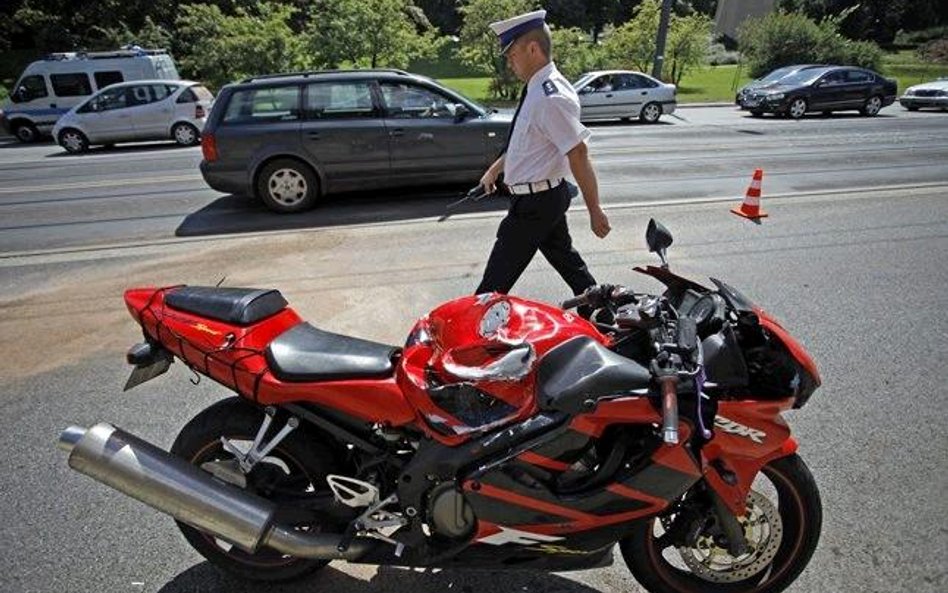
column 572, row 376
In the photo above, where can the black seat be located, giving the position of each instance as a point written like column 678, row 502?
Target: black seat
column 238, row 306
column 304, row 353
column 582, row 369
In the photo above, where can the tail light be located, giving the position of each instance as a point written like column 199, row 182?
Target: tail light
column 199, row 111
column 209, row 147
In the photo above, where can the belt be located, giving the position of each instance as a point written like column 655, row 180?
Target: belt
column 534, row 187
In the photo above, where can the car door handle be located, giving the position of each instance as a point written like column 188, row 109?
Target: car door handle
column 53, row 105
column 313, row 135
column 396, row 132
column 426, row 136
column 644, row 92
column 608, row 95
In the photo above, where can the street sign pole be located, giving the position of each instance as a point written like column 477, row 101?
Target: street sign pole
column 660, row 39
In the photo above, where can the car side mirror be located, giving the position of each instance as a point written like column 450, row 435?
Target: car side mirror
column 659, row 239
column 585, row 90
column 21, row 95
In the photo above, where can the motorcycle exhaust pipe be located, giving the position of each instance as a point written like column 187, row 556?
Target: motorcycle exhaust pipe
column 189, row 494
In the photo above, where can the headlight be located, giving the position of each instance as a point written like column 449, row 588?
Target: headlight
column 775, row 96
column 910, row 91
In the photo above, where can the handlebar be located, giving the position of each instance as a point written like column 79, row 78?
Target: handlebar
column 669, row 385
column 576, row 301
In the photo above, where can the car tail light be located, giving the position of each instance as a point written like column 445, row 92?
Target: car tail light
column 209, row 147
column 199, row 111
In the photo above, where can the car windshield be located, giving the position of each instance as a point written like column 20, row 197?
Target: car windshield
column 776, row 74
column 803, row 77
column 583, row 81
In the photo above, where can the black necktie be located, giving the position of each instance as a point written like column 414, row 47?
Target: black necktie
column 523, row 95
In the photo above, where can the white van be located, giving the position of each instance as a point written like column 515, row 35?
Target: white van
column 52, row 86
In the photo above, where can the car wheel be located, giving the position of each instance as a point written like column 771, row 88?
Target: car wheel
column 25, row 132
column 73, row 141
column 287, row 185
column 872, row 106
column 185, row 134
column 651, row 113
column 797, row 108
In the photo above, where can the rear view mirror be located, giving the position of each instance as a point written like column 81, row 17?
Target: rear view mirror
column 659, row 239
column 21, row 95
column 461, row 112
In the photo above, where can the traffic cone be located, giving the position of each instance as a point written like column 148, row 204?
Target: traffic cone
column 750, row 208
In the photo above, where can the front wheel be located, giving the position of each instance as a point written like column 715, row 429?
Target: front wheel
column 782, row 527
column 297, row 467
column 73, row 141
column 797, row 108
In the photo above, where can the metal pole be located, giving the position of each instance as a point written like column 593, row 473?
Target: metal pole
column 660, row 39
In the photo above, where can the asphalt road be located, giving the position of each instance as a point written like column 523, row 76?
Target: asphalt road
column 858, row 276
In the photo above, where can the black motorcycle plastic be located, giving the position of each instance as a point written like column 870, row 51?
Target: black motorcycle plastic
column 581, row 370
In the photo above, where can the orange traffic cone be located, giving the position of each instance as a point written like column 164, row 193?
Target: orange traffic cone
column 751, row 206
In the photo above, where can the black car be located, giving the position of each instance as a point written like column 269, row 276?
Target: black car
column 771, row 78
column 291, row 138
column 833, row 88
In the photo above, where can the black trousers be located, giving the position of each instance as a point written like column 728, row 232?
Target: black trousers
column 535, row 222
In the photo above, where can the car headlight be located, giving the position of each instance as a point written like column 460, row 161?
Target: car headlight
column 910, row 91
column 775, row 96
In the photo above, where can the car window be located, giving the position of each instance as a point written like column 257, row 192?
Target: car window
column 802, row 78
column 415, row 102
column 777, row 74
column 104, row 79
column 834, row 78
column 160, row 92
column 603, row 84
column 108, row 100
column 854, row 76
column 633, row 81
column 263, row 105
column 339, row 100
column 35, row 87
column 194, row 93
column 71, row 85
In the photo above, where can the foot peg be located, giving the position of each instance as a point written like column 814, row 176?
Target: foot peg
column 259, row 450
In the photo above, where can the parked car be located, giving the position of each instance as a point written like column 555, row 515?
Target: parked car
column 136, row 111
column 291, row 138
column 623, row 94
column 771, row 78
column 50, row 87
column 828, row 89
column 929, row 94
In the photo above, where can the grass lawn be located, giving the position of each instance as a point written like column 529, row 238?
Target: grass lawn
column 907, row 69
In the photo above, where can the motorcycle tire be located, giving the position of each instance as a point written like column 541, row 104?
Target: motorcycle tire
column 296, row 464
column 800, row 510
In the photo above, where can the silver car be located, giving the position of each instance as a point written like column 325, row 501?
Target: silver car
column 929, row 94
column 135, row 111
column 624, row 94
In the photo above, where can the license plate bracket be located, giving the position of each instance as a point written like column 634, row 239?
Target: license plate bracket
column 156, row 363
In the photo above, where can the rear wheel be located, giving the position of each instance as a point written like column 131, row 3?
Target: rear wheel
column 782, row 527
column 287, row 185
column 651, row 113
column 185, row 134
column 872, row 106
column 296, row 467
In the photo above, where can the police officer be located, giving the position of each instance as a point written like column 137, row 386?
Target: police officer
column 546, row 143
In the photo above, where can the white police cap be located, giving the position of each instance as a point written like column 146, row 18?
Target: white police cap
column 509, row 30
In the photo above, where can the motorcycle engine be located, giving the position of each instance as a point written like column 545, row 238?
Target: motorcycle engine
column 449, row 514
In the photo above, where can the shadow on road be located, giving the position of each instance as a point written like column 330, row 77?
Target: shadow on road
column 121, row 149
column 612, row 123
column 238, row 214
column 207, row 579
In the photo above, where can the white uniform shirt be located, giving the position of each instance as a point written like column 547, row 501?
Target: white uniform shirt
column 546, row 129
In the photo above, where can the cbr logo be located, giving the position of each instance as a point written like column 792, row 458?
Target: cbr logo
column 514, row 536
column 731, row 427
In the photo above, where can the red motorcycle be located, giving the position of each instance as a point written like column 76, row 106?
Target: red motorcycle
column 506, row 433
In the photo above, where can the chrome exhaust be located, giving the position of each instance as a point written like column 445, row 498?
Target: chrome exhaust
column 173, row 486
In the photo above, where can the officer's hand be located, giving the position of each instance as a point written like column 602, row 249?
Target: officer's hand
column 599, row 223
column 489, row 181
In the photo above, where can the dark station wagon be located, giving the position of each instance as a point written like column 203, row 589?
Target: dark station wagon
column 291, row 138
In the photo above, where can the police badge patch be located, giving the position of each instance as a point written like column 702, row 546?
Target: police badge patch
column 549, row 88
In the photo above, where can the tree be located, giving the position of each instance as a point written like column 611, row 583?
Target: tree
column 370, row 33
column 633, row 43
column 217, row 48
column 479, row 46
column 688, row 39
column 574, row 52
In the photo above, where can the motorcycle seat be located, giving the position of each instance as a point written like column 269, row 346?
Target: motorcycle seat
column 581, row 370
column 305, row 353
column 237, row 306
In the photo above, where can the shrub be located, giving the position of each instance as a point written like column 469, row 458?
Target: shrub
column 934, row 51
column 718, row 54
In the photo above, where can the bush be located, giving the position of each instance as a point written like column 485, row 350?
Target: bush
column 915, row 38
column 780, row 38
column 718, row 55
column 934, row 51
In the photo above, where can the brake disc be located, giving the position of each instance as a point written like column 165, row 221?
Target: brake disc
column 763, row 530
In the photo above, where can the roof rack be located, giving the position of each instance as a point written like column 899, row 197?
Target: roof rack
column 125, row 52
column 308, row 73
